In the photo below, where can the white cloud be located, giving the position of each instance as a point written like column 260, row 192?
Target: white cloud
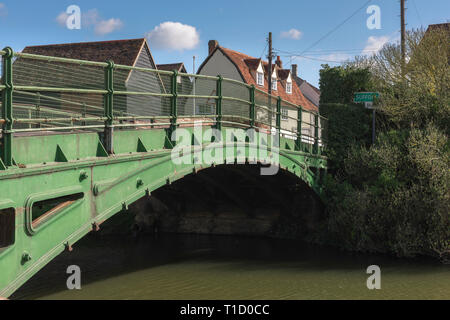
column 174, row 36
column 337, row 57
column 62, row 18
column 374, row 44
column 292, row 34
column 92, row 18
column 108, row 26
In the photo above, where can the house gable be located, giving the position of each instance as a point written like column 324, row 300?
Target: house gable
column 219, row 63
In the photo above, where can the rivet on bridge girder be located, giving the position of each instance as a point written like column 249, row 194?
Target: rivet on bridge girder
column 95, row 227
column 139, row 183
column 83, row 175
column 25, row 257
column 68, row 247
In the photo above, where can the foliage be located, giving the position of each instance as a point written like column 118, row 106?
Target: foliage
column 394, row 197
column 348, row 124
column 338, row 84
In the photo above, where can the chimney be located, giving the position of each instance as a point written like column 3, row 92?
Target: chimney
column 294, row 70
column 212, row 44
column 279, row 63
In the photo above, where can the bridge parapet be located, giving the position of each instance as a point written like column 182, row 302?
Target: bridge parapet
column 48, row 95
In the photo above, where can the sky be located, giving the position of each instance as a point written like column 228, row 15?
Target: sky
column 308, row 33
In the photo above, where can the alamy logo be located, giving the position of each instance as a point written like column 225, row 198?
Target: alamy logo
column 374, row 21
column 374, row 281
column 73, row 20
column 74, row 280
column 233, row 145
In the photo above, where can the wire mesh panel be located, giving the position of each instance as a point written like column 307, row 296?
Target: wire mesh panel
column 197, row 98
column 56, row 109
column 308, row 130
column 265, row 109
column 239, row 104
column 140, row 92
column 56, row 92
column 38, row 72
column 289, row 115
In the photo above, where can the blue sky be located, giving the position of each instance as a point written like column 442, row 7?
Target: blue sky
column 240, row 25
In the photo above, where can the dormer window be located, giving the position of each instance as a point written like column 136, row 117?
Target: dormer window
column 260, row 78
column 274, row 83
column 289, row 87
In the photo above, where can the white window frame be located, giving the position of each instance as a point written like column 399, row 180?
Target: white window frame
column 260, row 78
column 289, row 87
column 274, row 84
column 284, row 114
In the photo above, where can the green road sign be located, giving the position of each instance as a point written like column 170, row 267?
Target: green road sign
column 365, row 96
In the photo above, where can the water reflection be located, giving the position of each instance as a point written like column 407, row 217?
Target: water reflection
column 229, row 267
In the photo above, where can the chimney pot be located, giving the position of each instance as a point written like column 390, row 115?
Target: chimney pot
column 294, row 70
column 279, row 63
column 212, row 44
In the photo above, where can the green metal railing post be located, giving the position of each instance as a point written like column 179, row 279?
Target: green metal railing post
column 109, row 105
column 7, row 102
column 316, row 134
column 174, row 109
column 298, row 142
column 252, row 106
column 219, row 102
column 278, row 119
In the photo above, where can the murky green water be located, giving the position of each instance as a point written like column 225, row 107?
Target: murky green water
column 217, row 267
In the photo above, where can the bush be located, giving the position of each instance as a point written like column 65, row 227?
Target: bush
column 394, row 197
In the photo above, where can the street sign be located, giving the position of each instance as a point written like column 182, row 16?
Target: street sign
column 368, row 105
column 365, row 96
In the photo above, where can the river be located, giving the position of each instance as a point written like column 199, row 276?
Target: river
column 174, row 266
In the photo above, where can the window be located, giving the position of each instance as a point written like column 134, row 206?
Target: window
column 178, row 79
column 274, row 83
column 284, row 114
column 260, row 78
column 7, row 227
column 289, row 87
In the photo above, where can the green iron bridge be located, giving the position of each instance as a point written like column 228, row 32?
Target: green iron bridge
column 82, row 140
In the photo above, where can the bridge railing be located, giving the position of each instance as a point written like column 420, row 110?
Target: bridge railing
column 50, row 94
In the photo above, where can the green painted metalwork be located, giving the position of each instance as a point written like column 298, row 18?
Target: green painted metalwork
column 278, row 117
column 219, row 103
column 252, row 106
column 316, row 134
column 74, row 156
column 109, row 106
column 7, row 96
column 299, row 128
column 174, row 107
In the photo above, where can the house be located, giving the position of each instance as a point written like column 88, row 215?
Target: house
column 130, row 52
column 254, row 71
column 309, row 91
column 184, row 85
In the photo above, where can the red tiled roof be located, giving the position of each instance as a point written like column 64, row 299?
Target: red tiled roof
column 246, row 63
column 124, row 52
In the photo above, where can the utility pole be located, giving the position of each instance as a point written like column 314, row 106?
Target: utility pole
column 270, row 63
column 403, row 33
column 193, row 83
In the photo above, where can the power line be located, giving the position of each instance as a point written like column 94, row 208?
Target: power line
column 293, row 57
column 417, row 11
column 337, row 27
